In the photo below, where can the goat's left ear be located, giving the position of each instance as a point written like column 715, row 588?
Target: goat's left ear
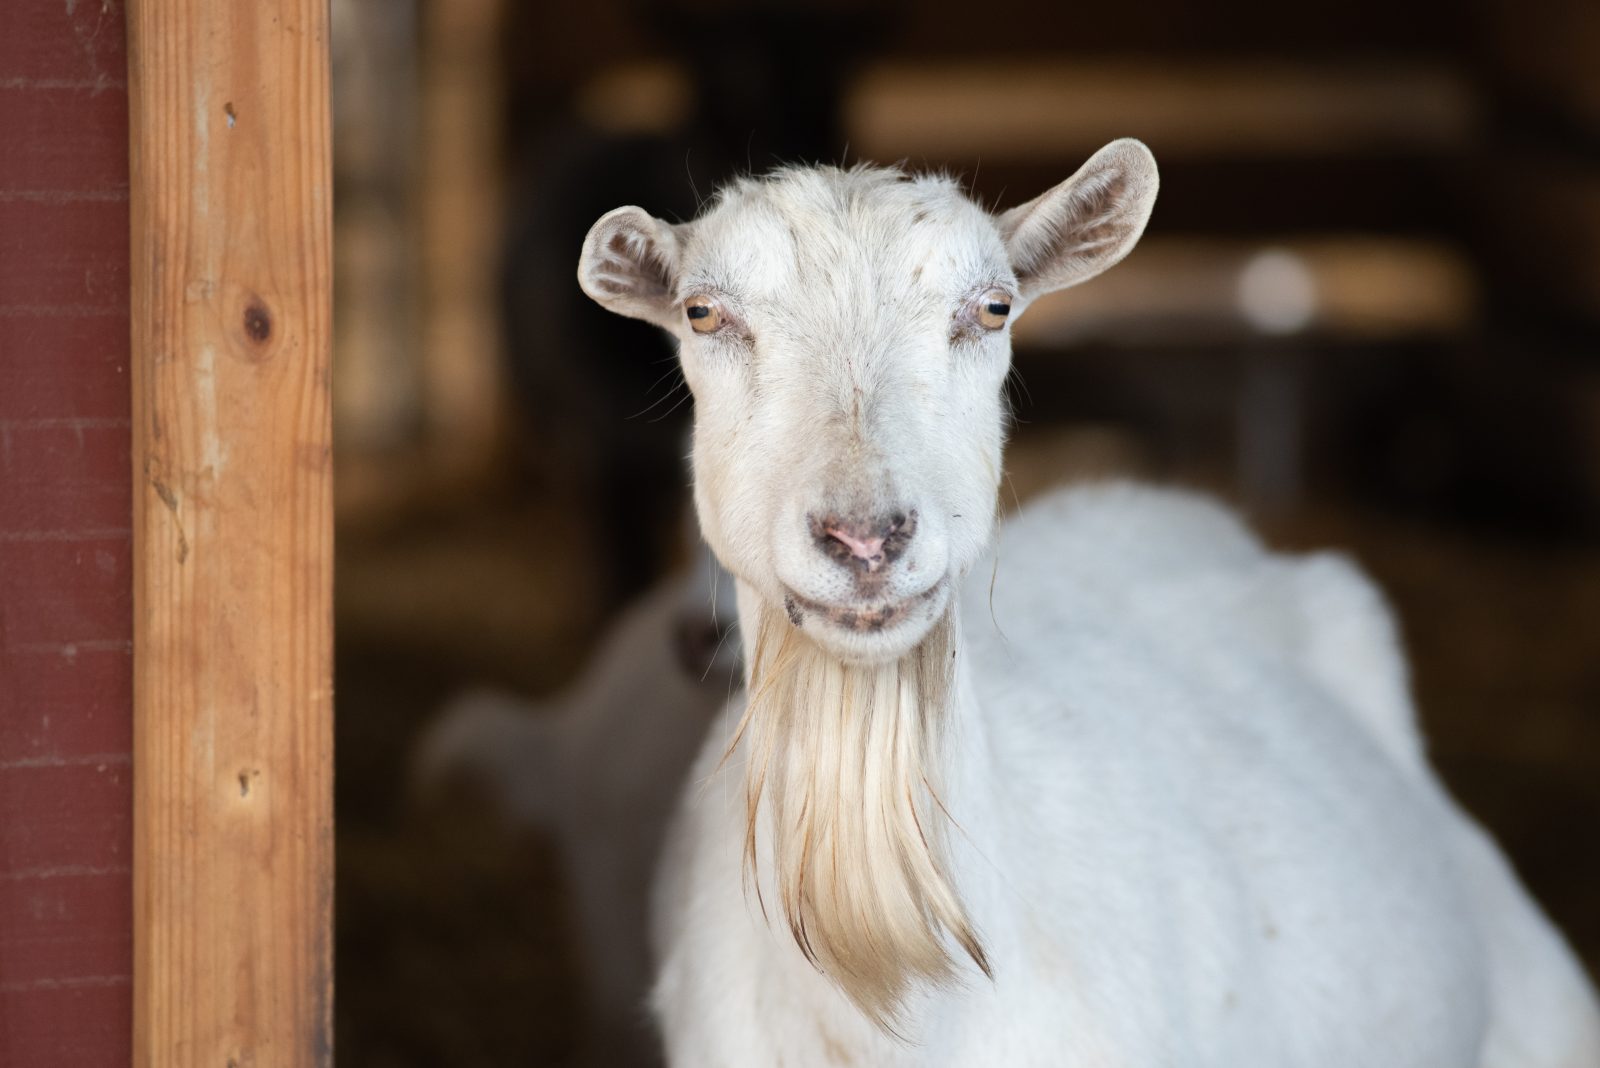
column 1084, row 225
column 630, row 266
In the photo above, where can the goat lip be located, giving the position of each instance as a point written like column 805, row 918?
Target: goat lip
column 864, row 618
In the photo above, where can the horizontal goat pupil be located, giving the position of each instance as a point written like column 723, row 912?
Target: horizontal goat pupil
column 699, row 311
column 999, row 309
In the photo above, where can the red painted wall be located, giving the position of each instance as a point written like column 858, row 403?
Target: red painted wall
column 65, row 515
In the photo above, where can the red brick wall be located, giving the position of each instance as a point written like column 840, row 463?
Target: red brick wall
column 65, row 573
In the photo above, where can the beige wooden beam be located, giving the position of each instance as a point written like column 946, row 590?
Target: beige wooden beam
column 1020, row 110
column 233, row 533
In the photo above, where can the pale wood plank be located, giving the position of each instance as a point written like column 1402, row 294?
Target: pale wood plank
column 948, row 113
column 1187, row 291
column 996, row 111
column 231, row 199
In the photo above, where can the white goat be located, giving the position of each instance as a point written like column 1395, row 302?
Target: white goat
column 598, row 766
column 1176, row 814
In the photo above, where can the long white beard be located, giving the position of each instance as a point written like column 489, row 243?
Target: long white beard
column 846, row 758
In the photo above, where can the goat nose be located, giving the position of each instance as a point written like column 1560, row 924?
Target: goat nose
column 867, row 548
column 865, row 544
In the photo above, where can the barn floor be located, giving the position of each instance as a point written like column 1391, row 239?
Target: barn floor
column 453, row 943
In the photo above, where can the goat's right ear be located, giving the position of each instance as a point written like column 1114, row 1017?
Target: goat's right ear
column 630, row 266
column 1084, row 225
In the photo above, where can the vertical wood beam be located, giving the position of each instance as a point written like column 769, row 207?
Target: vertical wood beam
column 233, row 532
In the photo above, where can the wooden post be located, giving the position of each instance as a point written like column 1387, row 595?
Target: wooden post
column 231, row 196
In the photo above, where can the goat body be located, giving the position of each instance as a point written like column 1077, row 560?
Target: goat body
column 599, row 766
column 1194, row 828
column 1176, row 815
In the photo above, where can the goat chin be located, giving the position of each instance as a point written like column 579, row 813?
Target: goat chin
column 843, row 763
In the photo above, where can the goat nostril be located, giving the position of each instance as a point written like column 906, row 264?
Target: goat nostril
column 867, row 545
column 867, row 548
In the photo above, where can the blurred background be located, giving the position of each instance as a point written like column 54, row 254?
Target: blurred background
column 1367, row 311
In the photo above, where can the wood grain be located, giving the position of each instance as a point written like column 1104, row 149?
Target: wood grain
column 231, row 196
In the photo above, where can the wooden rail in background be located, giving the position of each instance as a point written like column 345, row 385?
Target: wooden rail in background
column 231, row 209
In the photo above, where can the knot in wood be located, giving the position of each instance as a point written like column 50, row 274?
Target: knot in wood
column 257, row 322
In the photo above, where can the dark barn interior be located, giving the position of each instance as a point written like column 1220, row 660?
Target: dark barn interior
column 1367, row 312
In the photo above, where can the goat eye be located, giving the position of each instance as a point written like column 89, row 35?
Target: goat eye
column 703, row 314
column 993, row 307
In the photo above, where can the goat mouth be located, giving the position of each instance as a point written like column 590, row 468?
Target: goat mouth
column 867, row 619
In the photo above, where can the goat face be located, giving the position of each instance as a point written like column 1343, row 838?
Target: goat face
column 846, row 336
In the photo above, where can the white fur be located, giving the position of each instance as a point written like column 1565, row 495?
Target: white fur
column 1189, row 819
column 600, row 766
